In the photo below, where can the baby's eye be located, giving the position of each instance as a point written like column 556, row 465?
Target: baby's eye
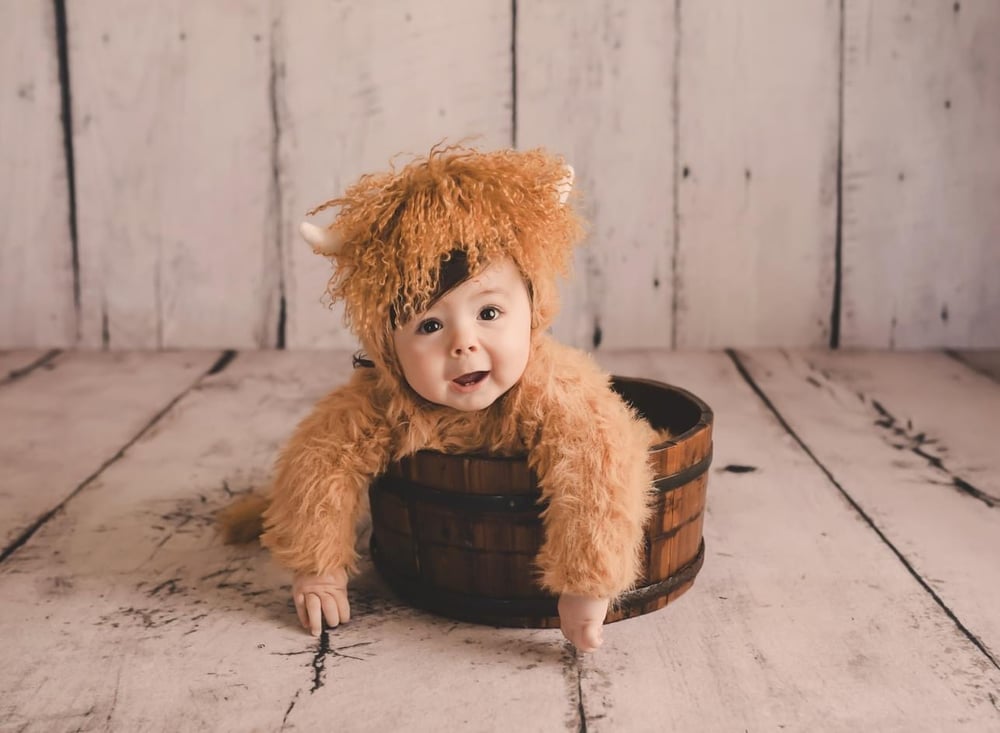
column 489, row 313
column 429, row 326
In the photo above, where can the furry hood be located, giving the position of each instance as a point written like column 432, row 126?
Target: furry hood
column 394, row 229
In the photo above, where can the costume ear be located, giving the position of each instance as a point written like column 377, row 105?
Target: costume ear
column 322, row 241
column 565, row 185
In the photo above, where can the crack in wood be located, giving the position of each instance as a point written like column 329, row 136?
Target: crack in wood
column 288, row 711
column 30, row 531
column 513, row 73
column 170, row 585
column 675, row 243
column 757, row 390
column 573, row 674
column 915, row 444
column 581, row 711
column 43, row 360
column 66, row 113
column 836, row 307
column 276, row 73
column 224, row 360
column 319, row 660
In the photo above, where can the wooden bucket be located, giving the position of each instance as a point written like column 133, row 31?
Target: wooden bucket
column 457, row 534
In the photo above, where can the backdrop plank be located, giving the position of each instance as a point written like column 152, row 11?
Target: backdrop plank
column 801, row 618
column 61, row 423
column 361, row 83
column 921, row 180
column 173, row 143
column 156, row 624
column 758, row 120
column 593, row 84
column 36, row 252
column 885, row 457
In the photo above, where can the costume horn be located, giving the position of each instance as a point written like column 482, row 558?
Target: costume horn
column 565, row 185
column 323, row 241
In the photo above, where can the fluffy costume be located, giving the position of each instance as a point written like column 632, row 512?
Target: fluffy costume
column 587, row 448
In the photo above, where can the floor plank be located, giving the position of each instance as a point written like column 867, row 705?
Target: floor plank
column 950, row 538
column 927, row 404
column 984, row 361
column 802, row 618
column 17, row 364
column 61, row 422
column 155, row 624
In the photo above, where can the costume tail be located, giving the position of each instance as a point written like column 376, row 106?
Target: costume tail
column 243, row 520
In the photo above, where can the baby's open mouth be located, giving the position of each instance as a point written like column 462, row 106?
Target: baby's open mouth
column 471, row 378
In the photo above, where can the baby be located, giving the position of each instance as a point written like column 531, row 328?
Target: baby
column 448, row 271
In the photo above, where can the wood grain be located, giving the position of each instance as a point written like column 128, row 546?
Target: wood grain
column 173, row 138
column 802, row 617
column 62, row 422
column 984, row 361
column 929, row 405
column 757, row 163
column 36, row 252
column 361, row 83
column 16, row 364
column 907, row 466
column 594, row 84
column 920, row 223
column 155, row 624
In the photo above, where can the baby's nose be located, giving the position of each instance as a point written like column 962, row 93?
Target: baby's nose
column 464, row 342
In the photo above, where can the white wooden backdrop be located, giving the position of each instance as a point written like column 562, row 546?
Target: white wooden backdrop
column 783, row 172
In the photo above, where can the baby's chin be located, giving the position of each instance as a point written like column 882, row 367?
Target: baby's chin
column 473, row 402
column 479, row 399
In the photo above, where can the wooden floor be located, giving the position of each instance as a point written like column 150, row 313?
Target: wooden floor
column 851, row 580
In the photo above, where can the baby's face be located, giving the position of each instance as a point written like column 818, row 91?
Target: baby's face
column 472, row 345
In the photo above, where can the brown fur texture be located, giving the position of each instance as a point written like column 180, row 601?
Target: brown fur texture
column 398, row 225
column 587, row 448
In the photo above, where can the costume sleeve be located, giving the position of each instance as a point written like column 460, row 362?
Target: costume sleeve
column 590, row 453
column 321, row 480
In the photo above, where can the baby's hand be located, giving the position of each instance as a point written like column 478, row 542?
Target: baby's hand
column 581, row 620
column 317, row 596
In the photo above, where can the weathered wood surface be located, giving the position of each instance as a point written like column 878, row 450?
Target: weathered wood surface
column 983, row 360
column 930, row 491
column 890, row 429
column 756, row 203
column 15, row 365
column 361, row 83
column 803, row 616
column 928, row 405
column 64, row 421
column 594, row 84
column 156, row 626
column 920, row 221
column 176, row 200
column 36, row 251
column 720, row 146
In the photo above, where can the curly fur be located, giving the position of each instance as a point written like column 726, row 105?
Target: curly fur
column 587, row 448
column 396, row 227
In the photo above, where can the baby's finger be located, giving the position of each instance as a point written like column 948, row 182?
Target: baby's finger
column 572, row 634
column 300, row 609
column 330, row 609
column 591, row 638
column 343, row 607
column 315, row 611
